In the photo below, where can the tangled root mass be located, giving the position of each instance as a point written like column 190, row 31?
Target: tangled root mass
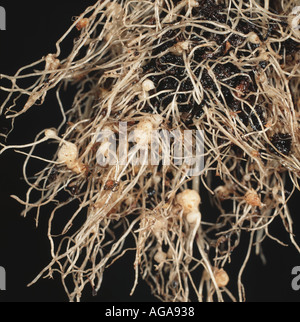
column 227, row 68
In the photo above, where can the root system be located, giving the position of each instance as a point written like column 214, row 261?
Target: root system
column 228, row 68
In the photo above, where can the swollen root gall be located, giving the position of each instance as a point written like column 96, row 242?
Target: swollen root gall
column 221, row 277
column 68, row 153
column 189, row 200
column 111, row 185
column 82, row 23
column 160, row 257
column 252, row 198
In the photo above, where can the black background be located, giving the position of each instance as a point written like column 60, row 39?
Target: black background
column 33, row 27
